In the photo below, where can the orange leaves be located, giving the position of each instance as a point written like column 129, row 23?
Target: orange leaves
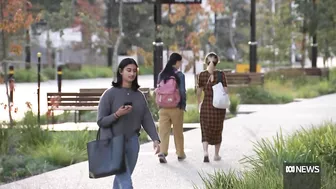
column 179, row 13
column 93, row 10
column 11, row 107
column 148, row 56
column 193, row 41
column 16, row 49
column 16, row 16
column 179, row 28
column 29, row 105
column 174, row 47
column 216, row 5
column 212, row 40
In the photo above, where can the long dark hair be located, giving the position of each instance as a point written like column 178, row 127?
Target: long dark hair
column 169, row 69
column 125, row 62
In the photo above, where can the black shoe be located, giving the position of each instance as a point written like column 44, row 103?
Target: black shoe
column 181, row 158
column 206, row 159
column 162, row 158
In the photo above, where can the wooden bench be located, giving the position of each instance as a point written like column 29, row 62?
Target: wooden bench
column 244, row 79
column 292, row 72
column 72, row 102
column 145, row 91
column 86, row 99
column 73, row 66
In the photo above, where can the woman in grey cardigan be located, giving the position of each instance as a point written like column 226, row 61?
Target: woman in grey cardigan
column 124, row 108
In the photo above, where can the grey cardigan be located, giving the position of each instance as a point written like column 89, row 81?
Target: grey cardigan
column 129, row 124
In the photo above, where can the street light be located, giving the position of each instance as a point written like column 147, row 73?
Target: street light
column 253, row 43
column 314, row 44
column 158, row 44
column 38, row 86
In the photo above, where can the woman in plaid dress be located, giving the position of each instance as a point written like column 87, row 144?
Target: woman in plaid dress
column 211, row 118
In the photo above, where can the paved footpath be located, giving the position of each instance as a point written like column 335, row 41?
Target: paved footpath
column 238, row 137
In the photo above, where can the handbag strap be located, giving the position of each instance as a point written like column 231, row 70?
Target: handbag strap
column 98, row 133
column 220, row 77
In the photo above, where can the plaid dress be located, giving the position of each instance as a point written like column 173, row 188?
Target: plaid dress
column 211, row 118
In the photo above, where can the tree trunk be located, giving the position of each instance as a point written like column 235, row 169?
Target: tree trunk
column 303, row 45
column 119, row 38
column 4, row 56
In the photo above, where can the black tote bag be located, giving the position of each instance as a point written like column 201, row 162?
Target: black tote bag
column 106, row 157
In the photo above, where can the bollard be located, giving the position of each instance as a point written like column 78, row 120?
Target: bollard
column 59, row 78
column 38, row 86
column 11, row 83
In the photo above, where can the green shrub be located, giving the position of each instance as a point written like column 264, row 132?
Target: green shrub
column 74, row 139
column 220, row 180
column 59, row 154
column 17, row 167
column 259, row 95
column 191, row 116
column 317, row 89
column 97, row 71
column 154, row 109
column 145, row 70
column 191, row 96
column 49, row 73
column 33, row 135
column 23, row 75
column 5, row 136
column 234, row 104
column 317, row 144
column 87, row 71
column 143, row 137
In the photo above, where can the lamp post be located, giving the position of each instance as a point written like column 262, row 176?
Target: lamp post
column 253, row 43
column 314, row 44
column 108, row 25
column 157, row 44
column 38, row 86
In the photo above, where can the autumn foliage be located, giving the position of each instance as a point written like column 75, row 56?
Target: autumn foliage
column 194, row 14
column 15, row 16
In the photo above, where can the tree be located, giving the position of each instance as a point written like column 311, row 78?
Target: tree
column 119, row 38
column 276, row 28
column 14, row 18
column 188, row 29
column 326, row 29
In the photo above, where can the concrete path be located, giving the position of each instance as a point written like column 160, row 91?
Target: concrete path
column 238, row 137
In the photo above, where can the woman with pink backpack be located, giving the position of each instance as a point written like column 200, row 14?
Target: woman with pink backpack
column 171, row 99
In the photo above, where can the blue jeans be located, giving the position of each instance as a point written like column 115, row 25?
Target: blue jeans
column 124, row 180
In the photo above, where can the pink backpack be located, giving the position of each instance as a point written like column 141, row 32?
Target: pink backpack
column 167, row 94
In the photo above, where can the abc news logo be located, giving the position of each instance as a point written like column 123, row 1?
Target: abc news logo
column 303, row 169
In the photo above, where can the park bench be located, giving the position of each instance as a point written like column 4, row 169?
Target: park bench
column 85, row 100
column 244, row 79
column 73, row 66
column 317, row 72
column 72, row 101
column 145, row 91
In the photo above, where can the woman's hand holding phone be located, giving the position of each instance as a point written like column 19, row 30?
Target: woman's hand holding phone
column 123, row 110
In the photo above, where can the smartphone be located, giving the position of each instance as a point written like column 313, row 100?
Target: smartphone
column 128, row 104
